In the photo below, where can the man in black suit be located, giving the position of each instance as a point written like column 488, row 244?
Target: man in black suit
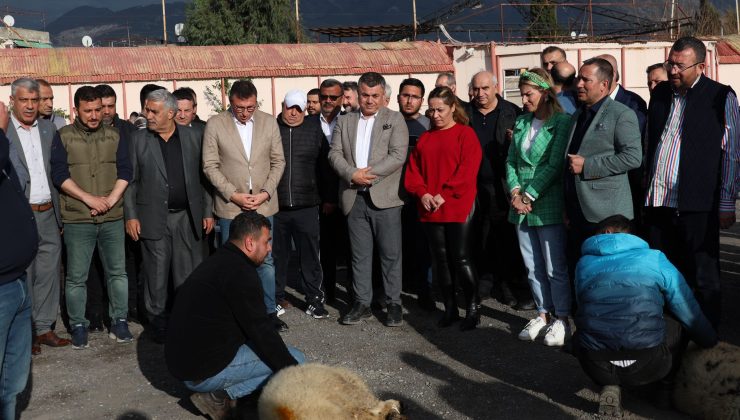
column 187, row 110
column 448, row 79
column 167, row 205
column 626, row 97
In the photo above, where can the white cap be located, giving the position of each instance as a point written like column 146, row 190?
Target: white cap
column 295, row 98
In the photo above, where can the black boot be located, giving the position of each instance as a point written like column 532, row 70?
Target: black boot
column 472, row 317
column 450, row 315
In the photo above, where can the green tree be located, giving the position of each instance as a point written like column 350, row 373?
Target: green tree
column 708, row 20
column 543, row 22
column 226, row 22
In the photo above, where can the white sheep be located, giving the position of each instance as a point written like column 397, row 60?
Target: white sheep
column 317, row 392
column 708, row 383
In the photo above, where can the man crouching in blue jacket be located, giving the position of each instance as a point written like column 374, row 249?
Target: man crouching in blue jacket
column 622, row 289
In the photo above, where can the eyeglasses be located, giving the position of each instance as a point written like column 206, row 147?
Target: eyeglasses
column 669, row 65
column 243, row 109
column 408, row 97
column 329, row 97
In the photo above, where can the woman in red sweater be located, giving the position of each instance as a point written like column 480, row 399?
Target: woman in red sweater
column 441, row 174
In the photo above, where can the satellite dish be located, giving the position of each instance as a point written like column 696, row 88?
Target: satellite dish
column 87, row 41
column 9, row 20
column 573, row 34
column 178, row 28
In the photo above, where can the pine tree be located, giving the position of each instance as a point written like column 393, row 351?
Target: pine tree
column 543, row 25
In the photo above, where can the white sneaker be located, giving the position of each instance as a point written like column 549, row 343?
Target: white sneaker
column 556, row 333
column 532, row 329
column 280, row 310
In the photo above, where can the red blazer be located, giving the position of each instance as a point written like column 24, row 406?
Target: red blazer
column 445, row 162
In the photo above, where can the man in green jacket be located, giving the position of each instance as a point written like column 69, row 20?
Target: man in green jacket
column 91, row 167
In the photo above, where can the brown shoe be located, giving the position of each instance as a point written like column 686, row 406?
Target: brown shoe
column 35, row 347
column 52, row 340
column 285, row 303
column 212, row 406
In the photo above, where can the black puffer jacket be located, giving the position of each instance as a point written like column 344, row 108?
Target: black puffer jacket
column 308, row 179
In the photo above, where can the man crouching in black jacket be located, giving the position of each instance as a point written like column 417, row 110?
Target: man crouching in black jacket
column 220, row 341
column 307, row 181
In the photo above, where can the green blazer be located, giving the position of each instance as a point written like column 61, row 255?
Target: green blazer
column 611, row 146
column 539, row 172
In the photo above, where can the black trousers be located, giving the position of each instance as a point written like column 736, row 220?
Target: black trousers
column 452, row 259
column 334, row 246
column 302, row 226
column 690, row 240
column 496, row 244
column 416, row 259
column 651, row 365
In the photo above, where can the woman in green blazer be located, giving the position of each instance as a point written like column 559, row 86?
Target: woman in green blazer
column 534, row 170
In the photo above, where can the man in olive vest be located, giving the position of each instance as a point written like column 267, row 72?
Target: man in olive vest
column 91, row 167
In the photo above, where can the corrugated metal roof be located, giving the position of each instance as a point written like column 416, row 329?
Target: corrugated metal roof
column 728, row 50
column 101, row 65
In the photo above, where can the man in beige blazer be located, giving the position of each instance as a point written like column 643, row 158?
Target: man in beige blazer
column 368, row 150
column 243, row 159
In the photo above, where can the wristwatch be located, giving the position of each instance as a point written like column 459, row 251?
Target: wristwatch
column 525, row 199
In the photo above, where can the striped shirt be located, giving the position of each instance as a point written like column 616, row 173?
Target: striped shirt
column 663, row 188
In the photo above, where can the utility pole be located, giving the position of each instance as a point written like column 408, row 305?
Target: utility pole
column 413, row 9
column 297, row 22
column 164, row 23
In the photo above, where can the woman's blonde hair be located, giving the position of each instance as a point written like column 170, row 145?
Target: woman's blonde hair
column 541, row 80
column 448, row 98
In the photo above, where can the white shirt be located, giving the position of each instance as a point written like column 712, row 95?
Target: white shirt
column 533, row 130
column 328, row 127
column 362, row 143
column 613, row 95
column 245, row 133
column 31, row 144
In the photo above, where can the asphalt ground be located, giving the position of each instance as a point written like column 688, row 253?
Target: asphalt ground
column 437, row 373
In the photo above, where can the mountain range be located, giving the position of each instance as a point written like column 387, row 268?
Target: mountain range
column 142, row 24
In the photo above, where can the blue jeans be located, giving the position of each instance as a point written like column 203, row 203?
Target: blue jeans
column 266, row 271
column 245, row 374
column 15, row 343
column 543, row 251
column 81, row 239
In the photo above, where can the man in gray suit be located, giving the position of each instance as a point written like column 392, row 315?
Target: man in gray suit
column 604, row 144
column 368, row 151
column 166, row 204
column 31, row 137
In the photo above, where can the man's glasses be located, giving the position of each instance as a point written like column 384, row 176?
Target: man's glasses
column 243, row 109
column 329, row 97
column 668, row 65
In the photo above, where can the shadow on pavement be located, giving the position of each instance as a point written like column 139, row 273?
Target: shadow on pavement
column 150, row 356
column 529, row 380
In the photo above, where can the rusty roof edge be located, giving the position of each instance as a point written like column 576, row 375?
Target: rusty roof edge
column 170, row 56
column 205, row 75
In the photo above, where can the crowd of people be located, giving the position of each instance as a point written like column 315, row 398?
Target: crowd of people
column 189, row 226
